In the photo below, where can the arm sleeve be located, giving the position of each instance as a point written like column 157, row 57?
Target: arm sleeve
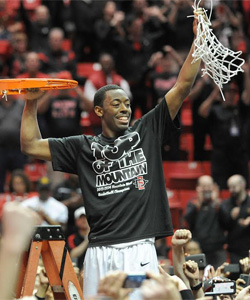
column 160, row 122
column 64, row 152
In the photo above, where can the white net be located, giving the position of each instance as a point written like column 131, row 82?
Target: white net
column 220, row 63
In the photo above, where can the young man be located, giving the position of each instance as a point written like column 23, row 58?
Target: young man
column 120, row 173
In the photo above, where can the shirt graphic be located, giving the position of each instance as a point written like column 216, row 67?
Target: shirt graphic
column 119, row 167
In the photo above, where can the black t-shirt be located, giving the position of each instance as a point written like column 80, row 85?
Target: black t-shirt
column 122, row 179
column 63, row 116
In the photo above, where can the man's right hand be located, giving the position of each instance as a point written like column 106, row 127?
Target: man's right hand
column 33, row 93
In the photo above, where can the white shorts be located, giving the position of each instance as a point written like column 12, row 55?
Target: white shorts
column 139, row 256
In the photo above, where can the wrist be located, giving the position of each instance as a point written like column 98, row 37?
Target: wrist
column 196, row 286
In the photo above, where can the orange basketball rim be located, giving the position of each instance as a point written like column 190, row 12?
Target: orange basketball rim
column 20, row 85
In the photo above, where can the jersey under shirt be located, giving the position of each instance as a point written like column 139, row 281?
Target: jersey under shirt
column 122, row 179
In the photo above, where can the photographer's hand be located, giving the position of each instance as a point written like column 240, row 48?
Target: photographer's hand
column 111, row 285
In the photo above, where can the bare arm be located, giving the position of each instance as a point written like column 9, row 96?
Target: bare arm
column 86, row 103
column 79, row 250
column 184, row 83
column 205, row 106
column 32, row 143
column 18, row 224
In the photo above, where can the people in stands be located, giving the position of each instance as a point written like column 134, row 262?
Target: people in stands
column 69, row 193
column 16, row 61
column 50, row 210
column 227, row 127
column 56, row 59
column 20, row 187
column 235, row 218
column 36, row 27
column 202, row 217
column 78, row 241
column 11, row 157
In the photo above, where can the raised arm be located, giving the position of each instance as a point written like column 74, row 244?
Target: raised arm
column 185, row 81
column 32, row 143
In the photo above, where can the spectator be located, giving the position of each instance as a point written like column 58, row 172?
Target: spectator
column 192, row 247
column 62, row 110
column 110, row 24
column 55, row 59
column 84, row 15
column 203, row 221
column 37, row 28
column 16, row 61
column 20, row 186
column 235, row 218
column 188, row 271
column 227, row 122
column 78, row 241
column 69, row 193
column 51, row 211
column 18, row 225
column 200, row 125
column 181, row 25
column 131, row 53
column 11, row 157
column 32, row 67
column 166, row 65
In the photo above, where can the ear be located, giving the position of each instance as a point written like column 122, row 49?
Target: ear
column 98, row 111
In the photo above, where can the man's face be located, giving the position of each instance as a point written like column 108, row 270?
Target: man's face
column 115, row 113
column 44, row 194
column 235, row 188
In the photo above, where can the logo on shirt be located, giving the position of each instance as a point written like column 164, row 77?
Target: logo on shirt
column 140, row 183
column 117, row 167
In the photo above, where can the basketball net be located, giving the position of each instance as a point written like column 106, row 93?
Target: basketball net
column 220, row 63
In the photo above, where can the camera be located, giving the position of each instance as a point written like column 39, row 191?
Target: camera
column 219, row 288
column 232, row 268
column 200, row 259
column 134, row 280
column 246, row 278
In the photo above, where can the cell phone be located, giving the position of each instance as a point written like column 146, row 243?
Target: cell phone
column 232, row 268
column 200, row 259
column 225, row 288
column 246, row 278
column 134, row 280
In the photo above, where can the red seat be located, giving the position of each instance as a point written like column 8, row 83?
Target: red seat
column 35, row 171
column 224, row 194
column 187, row 145
column 86, row 69
column 186, row 119
column 31, row 4
column 5, row 48
column 67, row 45
column 207, row 167
column 182, row 174
column 175, row 207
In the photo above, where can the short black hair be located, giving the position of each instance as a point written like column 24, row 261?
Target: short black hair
column 101, row 93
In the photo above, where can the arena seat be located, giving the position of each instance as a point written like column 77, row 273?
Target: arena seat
column 175, row 207
column 86, row 69
column 182, row 174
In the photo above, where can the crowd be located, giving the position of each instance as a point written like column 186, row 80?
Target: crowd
column 140, row 46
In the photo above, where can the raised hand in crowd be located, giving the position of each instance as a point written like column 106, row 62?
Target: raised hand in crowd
column 160, row 287
column 245, row 264
column 18, row 225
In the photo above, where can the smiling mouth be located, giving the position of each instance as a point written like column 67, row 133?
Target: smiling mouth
column 123, row 120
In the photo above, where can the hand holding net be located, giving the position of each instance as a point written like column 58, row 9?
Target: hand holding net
column 220, row 63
